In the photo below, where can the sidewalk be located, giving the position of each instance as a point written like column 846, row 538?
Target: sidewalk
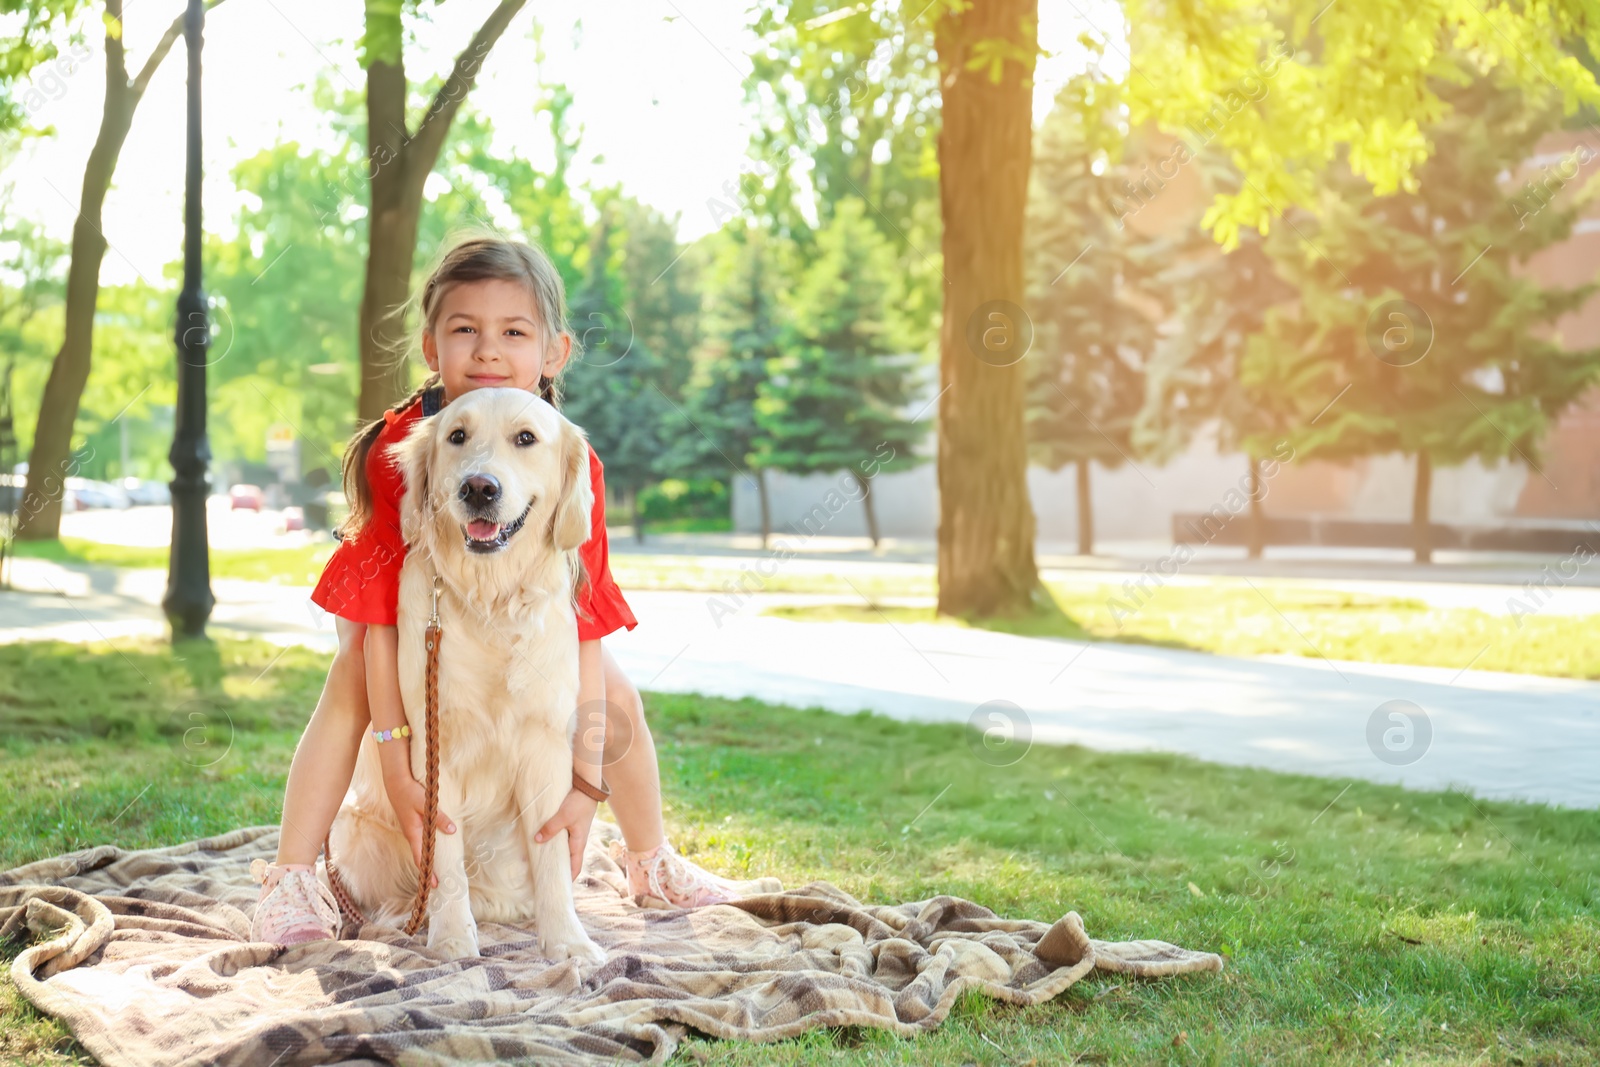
column 1496, row 735
column 1310, row 562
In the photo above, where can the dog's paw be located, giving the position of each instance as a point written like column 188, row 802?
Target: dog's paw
column 577, row 947
column 457, row 945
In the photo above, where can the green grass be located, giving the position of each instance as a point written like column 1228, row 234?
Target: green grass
column 283, row 566
column 1231, row 618
column 1365, row 924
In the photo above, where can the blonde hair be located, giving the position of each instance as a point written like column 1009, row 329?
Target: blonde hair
column 471, row 256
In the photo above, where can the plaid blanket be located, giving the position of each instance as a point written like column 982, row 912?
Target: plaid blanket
column 146, row 957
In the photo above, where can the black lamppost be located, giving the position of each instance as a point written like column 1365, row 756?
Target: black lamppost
column 188, row 602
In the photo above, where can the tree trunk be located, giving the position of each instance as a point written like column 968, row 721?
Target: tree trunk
column 766, row 508
column 634, row 516
column 399, row 163
column 1421, row 517
column 391, row 241
column 866, row 502
column 50, row 459
column 986, row 523
column 1085, row 511
column 1258, row 520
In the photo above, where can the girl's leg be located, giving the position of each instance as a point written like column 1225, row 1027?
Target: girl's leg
column 656, row 873
column 630, row 762
column 325, row 758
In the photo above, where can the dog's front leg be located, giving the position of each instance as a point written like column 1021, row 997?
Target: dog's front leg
column 540, row 790
column 451, row 928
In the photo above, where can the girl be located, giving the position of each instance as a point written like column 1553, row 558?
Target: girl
column 493, row 313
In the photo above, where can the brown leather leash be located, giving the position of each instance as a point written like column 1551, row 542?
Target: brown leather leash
column 433, row 637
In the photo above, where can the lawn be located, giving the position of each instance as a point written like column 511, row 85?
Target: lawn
column 301, row 565
column 1363, row 923
column 1231, row 617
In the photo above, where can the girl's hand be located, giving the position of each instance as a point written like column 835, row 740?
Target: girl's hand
column 410, row 800
column 575, row 815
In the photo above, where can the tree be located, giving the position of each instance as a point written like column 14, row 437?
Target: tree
column 855, row 91
column 285, row 291
column 1414, row 332
column 1359, row 81
column 836, row 398
column 660, row 286
column 986, row 525
column 548, row 209
column 610, row 387
column 743, row 325
column 399, row 162
column 49, row 460
column 1195, row 380
column 1095, row 318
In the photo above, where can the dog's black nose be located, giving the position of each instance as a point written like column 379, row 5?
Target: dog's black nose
column 480, row 490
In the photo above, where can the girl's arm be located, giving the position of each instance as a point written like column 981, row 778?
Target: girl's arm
column 588, row 744
column 408, row 796
column 383, row 697
column 576, row 813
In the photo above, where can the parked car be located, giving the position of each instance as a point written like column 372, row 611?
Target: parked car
column 293, row 519
column 146, row 493
column 88, row 493
column 246, row 497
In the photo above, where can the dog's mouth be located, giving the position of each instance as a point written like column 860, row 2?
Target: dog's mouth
column 484, row 536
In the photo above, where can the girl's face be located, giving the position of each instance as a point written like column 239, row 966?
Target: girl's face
column 487, row 334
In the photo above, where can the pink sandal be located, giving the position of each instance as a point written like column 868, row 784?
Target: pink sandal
column 661, row 878
column 294, row 906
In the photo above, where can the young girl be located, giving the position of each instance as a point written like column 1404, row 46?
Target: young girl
column 493, row 313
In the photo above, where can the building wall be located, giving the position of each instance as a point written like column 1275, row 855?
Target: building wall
column 1137, row 503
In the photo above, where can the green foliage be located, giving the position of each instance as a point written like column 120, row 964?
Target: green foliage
column 30, row 312
column 612, row 387
column 1495, row 376
column 1092, row 299
column 674, row 499
column 1195, row 380
column 839, row 391
column 31, row 57
column 285, row 293
column 717, row 432
column 1362, row 80
column 853, row 93
column 545, row 205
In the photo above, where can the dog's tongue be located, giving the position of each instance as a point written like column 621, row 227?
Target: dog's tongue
column 481, row 530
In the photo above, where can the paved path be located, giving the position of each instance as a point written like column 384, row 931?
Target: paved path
column 1497, row 735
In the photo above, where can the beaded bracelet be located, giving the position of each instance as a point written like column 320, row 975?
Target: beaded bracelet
column 390, row 735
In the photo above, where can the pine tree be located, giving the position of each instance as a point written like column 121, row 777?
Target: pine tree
column 836, row 398
column 1194, row 381
column 743, row 327
column 1093, row 310
column 610, row 384
column 1415, row 333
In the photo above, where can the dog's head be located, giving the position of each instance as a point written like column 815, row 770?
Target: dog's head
column 498, row 471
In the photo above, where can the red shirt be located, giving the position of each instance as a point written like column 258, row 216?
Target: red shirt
column 361, row 581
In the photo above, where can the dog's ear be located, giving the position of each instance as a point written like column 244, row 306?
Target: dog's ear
column 569, row 525
column 412, row 456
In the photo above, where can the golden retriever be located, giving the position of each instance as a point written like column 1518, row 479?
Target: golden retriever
column 497, row 502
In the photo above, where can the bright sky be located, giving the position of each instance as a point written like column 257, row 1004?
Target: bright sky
column 657, row 87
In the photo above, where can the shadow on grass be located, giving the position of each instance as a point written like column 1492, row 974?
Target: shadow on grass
column 1049, row 618
column 150, row 689
column 297, row 565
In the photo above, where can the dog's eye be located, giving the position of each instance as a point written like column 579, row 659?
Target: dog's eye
column 525, row 438
column 458, row 436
